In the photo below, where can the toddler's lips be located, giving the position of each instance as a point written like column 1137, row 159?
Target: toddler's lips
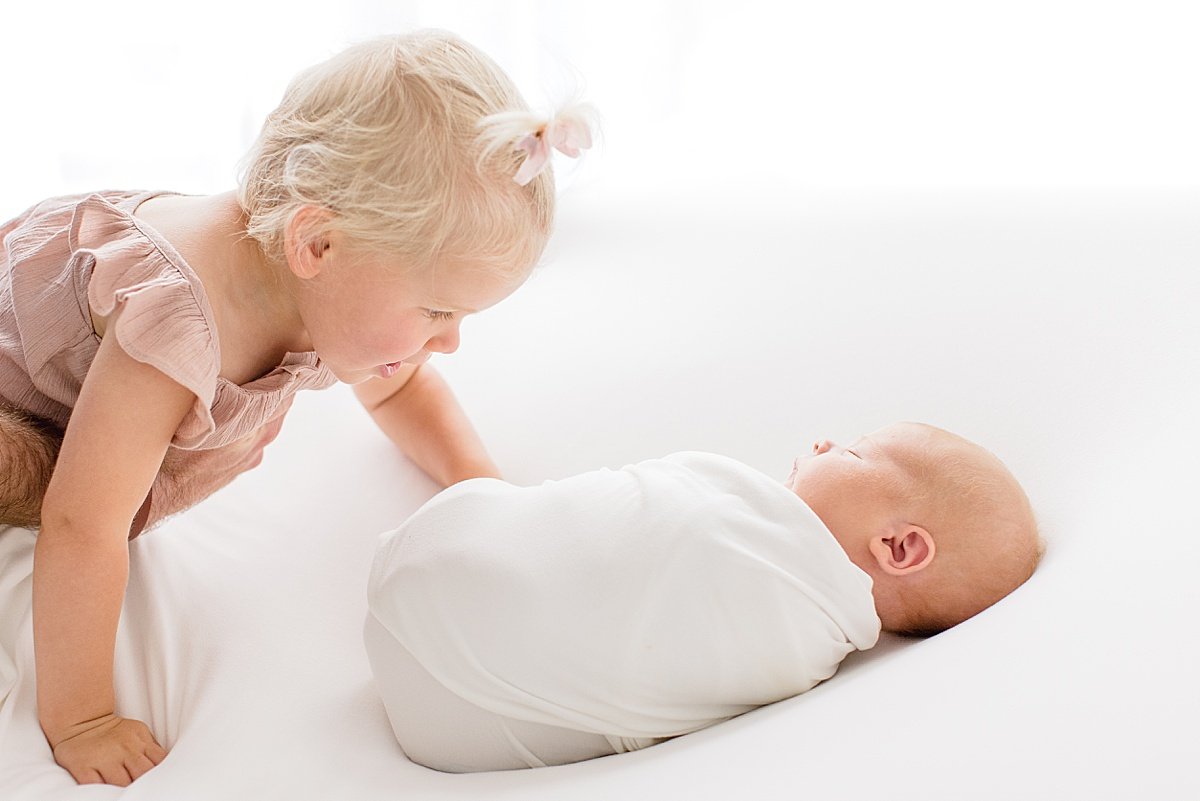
column 389, row 370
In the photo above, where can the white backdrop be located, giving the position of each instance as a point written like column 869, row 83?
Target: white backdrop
column 777, row 96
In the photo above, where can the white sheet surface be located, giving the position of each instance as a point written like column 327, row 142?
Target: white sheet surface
column 1059, row 330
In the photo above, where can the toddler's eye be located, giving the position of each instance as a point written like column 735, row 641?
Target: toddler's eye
column 434, row 314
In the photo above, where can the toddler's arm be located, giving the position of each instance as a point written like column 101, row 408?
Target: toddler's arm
column 417, row 410
column 120, row 428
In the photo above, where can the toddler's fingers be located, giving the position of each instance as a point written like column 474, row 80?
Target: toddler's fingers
column 156, row 753
column 137, row 764
column 116, row 775
column 151, row 750
column 89, row 776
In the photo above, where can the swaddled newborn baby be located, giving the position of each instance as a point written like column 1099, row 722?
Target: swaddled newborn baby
column 516, row 627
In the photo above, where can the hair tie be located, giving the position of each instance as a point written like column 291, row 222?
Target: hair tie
column 569, row 131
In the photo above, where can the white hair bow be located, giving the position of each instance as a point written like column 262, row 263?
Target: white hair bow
column 567, row 132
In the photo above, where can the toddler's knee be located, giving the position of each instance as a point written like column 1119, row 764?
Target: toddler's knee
column 28, row 449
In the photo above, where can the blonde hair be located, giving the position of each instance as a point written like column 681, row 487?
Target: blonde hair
column 987, row 537
column 392, row 138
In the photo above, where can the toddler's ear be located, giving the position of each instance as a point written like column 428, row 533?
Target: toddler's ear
column 906, row 550
column 305, row 241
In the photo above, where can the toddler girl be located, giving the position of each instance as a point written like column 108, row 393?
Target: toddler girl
column 151, row 343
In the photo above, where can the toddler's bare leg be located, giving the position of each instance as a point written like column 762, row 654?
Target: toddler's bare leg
column 188, row 477
column 28, row 449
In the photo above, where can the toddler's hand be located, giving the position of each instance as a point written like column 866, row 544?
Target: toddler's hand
column 108, row 750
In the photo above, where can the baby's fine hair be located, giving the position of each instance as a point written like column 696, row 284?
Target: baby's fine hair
column 392, row 137
column 995, row 546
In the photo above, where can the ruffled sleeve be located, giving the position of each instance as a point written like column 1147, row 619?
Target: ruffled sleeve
column 155, row 305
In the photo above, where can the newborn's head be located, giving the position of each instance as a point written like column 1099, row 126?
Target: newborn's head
column 940, row 525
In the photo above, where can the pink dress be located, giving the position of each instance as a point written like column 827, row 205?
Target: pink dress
column 68, row 253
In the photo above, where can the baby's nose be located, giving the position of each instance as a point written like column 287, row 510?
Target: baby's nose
column 821, row 446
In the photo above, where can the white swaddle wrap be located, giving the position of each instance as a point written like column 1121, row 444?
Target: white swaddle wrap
column 649, row 601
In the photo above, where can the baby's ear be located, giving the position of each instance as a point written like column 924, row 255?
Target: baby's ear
column 904, row 551
column 306, row 240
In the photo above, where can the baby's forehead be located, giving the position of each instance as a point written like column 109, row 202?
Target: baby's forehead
column 904, row 442
column 926, row 452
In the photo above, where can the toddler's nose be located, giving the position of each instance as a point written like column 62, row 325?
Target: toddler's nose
column 444, row 343
column 821, row 446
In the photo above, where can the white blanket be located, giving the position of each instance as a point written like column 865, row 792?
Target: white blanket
column 649, row 601
column 656, row 330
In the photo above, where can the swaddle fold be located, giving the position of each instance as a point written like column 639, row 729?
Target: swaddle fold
column 649, row 601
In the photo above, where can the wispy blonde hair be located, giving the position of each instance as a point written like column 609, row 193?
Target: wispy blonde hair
column 392, row 137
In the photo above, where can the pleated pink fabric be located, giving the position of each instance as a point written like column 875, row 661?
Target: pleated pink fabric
column 68, row 253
